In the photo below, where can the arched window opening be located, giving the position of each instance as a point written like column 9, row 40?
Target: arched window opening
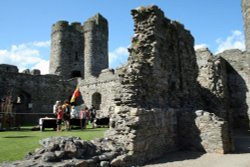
column 96, row 100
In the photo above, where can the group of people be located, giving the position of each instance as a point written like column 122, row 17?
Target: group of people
column 63, row 113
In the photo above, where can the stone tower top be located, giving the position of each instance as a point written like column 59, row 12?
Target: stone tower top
column 60, row 25
column 97, row 20
column 79, row 50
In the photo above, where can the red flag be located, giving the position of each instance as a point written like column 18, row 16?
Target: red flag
column 75, row 95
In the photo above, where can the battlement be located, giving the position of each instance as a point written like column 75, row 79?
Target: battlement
column 76, row 26
column 66, row 26
column 97, row 20
column 8, row 68
column 60, row 26
column 32, row 72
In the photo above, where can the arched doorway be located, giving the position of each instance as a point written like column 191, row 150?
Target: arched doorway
column 96, row 100
column 22, row 105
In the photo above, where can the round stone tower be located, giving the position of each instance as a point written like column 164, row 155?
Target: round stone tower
column 246, row 15
column 66, row 57
column 95, row 45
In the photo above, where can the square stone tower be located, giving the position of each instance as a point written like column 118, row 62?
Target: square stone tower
column 79, row 50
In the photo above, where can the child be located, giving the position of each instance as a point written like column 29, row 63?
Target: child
column 59, row 118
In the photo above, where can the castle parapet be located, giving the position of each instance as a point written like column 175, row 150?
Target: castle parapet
column 8, row 68
column 35, row 72
column 76, row 26
column 60, row 26
column 26, row 71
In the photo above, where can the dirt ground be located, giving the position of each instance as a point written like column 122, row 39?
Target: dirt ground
column 241, row 157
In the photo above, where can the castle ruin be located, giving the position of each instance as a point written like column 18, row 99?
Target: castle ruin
column 167, row 96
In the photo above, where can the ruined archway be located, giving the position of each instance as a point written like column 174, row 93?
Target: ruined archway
column 21, row 106
column 96, row 100
column 15, row 104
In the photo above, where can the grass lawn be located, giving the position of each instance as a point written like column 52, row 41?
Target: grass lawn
column 14, row 145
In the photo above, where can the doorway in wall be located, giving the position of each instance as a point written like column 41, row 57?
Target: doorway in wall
column 96, row 100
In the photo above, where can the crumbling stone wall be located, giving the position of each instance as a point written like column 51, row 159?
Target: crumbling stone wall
column 159, row 104
column 158, row 84
column 238, row 83
column 226, row 76
column 213, row 132
column 203, row 131
column 159, row 57
column 213, row 77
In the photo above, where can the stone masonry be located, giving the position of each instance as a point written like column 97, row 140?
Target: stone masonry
column 79, row 50
column 66, row 50
column 167, row 97
column 158, row 87
column 246, row 16
column 37, row 94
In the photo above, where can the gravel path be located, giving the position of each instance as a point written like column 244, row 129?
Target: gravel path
column 206, row 160
column 193, row 159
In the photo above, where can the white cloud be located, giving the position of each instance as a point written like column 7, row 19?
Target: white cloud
column 118, row 57
column 234, row 41
column 200, row 46
column 25, row 56
column 43, row 66
column 41, row 43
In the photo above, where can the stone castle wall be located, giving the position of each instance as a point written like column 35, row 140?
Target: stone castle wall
column 213, row 77
column 246, row 16
column 157, row 86
column 159, row 104
column 37, row 94
column 226, row 76
column 8, row 68
column 100, row 92
column 238, row 84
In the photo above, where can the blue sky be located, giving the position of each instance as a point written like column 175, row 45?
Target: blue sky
column 26, row 25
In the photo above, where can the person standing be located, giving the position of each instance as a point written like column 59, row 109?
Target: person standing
column 55, row 107
column 59, row 118
column 92, row 115
column 87, row 117
column 66, row 114
column 82, row 118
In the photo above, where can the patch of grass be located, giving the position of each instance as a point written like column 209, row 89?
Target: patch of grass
column 14, row 145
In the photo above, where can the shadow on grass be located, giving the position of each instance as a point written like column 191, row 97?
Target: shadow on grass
column 15, row 137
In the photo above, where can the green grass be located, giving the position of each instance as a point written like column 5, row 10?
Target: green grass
column 14, row 145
